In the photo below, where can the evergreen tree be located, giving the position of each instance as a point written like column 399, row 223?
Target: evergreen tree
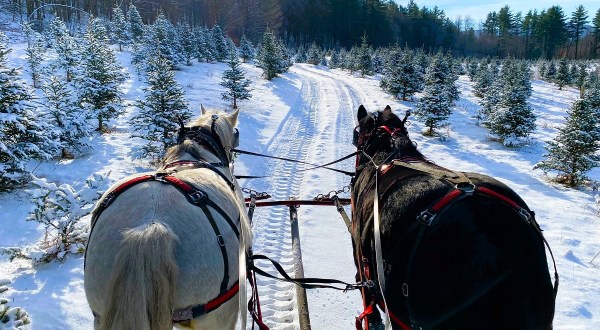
column 36, row 53
column 511, row 118
column 484, row 79
column 204, row 47
column 542, row 70
column 65, row 114
column 400, row 76
column 301, row 55
column 221, row 49
column 364, row 64
column 187, row 42
column 246, row 49
column 66, row 48
column 574, row 151
column 435, row 106
column 164, row 105
column 563, row 76
column 314, row 54
column 577, row 24
column 472, row 69
column 163, row 35
column 101, row 76
column 22, row 135
column 581, row 78
column 334, row 61
column 135, row 25
column 551, row 72
column 272, row 57
column 119, row 28
column 378, row 63
column 235, row 82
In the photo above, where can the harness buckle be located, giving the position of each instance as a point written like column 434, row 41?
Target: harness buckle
column 525, row 215
column 467, row 188
column 405, row 289
column 197, row 196
column 220, row 240
column 426, row 217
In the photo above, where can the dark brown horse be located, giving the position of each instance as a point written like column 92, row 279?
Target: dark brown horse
column 458, row 250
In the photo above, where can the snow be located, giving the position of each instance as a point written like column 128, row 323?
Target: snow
column 308, row 114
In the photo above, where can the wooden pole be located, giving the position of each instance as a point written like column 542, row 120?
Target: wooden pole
column 303, row 316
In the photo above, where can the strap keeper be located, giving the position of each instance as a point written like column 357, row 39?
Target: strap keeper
column 220, row 240
column 426, row 217
column 405, row 289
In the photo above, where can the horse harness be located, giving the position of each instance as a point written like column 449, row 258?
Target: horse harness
column 387, row 176
column 195, row 197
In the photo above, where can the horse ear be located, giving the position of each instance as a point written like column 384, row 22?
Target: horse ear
column 387, row 110
column 362, row 112
column 233, row 117
column 202, row 110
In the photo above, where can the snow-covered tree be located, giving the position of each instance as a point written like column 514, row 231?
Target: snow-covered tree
column 66, row 48
column 221, row 49
column 484, row 78
column 246, row 49
column 551, row 71
column 23, row 136
column 69, row 119
column 378, row 62
column 314, row 54
column 334, row 60
column 60, row 209
column 401, row 76
column 235, row 82
column 162, row 35
column 581, row 77
column 301, row 55
column 435, row 106
column 164, row 104
column 36, row 53
column 187, row 42
column 511, row 118
column 272, row 56
column 472, row 69
column 563, row 76
column 574, row 150
column 101, row 76
column 135, row 25
column 363, row 60
column 119, row 28
column 11, row 317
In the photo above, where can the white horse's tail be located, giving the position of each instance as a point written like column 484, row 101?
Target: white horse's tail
column 142, row 287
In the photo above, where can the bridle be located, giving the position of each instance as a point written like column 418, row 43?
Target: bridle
column 209, row 139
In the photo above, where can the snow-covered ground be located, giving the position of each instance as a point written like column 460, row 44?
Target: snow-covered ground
column 309, row 114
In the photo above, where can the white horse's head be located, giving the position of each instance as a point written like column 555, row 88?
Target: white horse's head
column 214, row 130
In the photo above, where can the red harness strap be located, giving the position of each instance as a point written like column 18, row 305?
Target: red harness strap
column 193, row 312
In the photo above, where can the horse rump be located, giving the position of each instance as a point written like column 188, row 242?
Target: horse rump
column 142, row 287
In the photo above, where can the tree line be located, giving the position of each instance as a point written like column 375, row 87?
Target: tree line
column 549, row 33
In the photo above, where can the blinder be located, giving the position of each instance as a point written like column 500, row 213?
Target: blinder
column 355, row 136
column 202, row 135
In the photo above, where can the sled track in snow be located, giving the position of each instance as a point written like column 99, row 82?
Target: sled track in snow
column 298, row 134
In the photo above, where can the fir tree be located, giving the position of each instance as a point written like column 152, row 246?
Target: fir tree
column 65, row 114
column 574, row 151
column 435, row 106
column 135, row 25
column 246, row 49
column 36, row 53
column 314, row 54
column 562, row 77
column 188, row 46
column 400, row 76
column 378, row 63
column 235, row 82
column 301, row 55
column 66, row 48
column 551, row 72
column 334, row 60
column 221, row 49
column 119, row 28
column 511, row 118
column 484, row 78
column 204, row 47
column 363, row 61
column 472, row 69
column 581, row 78
column 272, row 57
column 101, row 76
column 542, row 70
column 164, row 105
column 163, row 36
column 22, row 135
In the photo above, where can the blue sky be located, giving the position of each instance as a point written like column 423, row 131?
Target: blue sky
column 478, row 9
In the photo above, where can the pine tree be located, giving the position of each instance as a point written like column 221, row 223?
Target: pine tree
column 551, row 72
column 400, row 75
column 65, row 114
column 435, row 106
column 511, row 118
column 66, row 48
column 272, row 56
column 164, row 105
column 301, row 55
column 472, row 69
column 484, row 78
column 221, row 49
column 235, row 82
column 135, row 25
column 101, row 76
column 577, row 25
column 23, row 136
column 563, row 76
column 334, row 60
column 246, row 49
column 364, row 63
column 378, row 63
column 543, row 70
column 314, row 54
column 119, row 28
column 204, row 47
column 36, row 53
column 574, row 151
column 163, row 35
column 581, row 78
column 186, row 40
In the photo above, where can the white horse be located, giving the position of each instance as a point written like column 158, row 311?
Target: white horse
column 164, row 247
